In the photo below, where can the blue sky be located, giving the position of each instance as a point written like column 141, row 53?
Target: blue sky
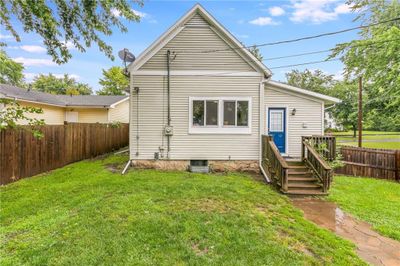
column 252, row 22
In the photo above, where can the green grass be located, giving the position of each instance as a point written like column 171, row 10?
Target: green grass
column 83, row 214
column 372, row 200
column 376, row 145
column 366, row 132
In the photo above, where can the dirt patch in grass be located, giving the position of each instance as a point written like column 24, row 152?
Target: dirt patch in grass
column 198, row 250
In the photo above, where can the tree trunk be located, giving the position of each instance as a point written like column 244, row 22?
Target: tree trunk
column 354, row 131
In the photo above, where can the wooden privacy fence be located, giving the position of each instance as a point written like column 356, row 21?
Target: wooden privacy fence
column 378, row 163
column 22, row 155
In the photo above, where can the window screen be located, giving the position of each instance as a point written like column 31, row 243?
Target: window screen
column 212, row 113
column 242, row 113
column 198, row 113
column 229, row 113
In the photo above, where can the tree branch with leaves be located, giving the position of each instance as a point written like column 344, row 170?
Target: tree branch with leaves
column 63, row 23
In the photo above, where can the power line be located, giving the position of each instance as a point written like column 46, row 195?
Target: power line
column 306, row 63
column 302, row 38
column 324, row 51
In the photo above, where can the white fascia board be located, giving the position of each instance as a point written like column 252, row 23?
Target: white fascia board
column 120, row 101
column 325, row 98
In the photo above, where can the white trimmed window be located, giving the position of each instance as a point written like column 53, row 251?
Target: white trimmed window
column 225, row 115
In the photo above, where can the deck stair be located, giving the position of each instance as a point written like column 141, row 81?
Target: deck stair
column 308, row 175
column 301, row 180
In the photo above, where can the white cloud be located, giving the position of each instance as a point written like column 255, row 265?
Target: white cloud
column 5, row 36
column 317, row 11
column 33, row 48
column 140, row 14
column 117, row 13
column 262, row 21
column 34, row 61
column 276, row 11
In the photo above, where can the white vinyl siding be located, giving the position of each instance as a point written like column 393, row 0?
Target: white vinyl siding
column 184, row 146
column 189, row 46
column 120, row 113
column 307, row 121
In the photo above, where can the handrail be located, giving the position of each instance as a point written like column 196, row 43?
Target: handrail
column 273, row 163
column 317, row 164
column 317, row 156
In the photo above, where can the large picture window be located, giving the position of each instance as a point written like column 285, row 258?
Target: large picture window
column 220, row 115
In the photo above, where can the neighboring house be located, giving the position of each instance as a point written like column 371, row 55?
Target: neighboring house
column 75, row 108
column 222, row 99
column 331, row 123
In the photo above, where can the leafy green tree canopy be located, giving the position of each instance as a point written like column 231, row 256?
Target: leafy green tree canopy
column 10, row 71
column 64, row 23
column 316, row 80
column 114, row 82
column 256, row 52
column 65, row 85
column 376, row 57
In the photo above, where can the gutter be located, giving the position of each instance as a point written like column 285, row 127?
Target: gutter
column 261, row 124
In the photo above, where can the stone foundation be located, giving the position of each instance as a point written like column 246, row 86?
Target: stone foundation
column 234, row 166
column 215, row 166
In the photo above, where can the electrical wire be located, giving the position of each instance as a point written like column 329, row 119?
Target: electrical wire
column 307, row 63
column 324, row 51
column 301, row 38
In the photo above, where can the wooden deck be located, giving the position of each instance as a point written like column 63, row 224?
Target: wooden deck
column 310, row 175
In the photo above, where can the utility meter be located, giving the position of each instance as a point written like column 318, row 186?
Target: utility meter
column 168, row 131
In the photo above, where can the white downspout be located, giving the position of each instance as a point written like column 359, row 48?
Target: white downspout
column 261, row 125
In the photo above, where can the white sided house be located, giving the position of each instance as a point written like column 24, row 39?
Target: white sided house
column 197, row 96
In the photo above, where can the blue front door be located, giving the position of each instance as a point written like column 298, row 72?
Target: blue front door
column 277, row 127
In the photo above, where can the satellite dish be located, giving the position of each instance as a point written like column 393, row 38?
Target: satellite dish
column 126, row 56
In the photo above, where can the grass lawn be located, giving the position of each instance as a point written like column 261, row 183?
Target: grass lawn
column 376, row 145
column 83, row 214
column 372, row 200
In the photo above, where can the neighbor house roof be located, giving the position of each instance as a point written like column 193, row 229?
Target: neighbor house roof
column 286, row 87
column 98, row 101
column 174, row 30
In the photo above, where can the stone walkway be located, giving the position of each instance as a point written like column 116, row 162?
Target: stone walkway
column 371, row 246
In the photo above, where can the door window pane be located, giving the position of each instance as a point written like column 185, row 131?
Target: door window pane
column 198, row 113
column 242, row 113
column 212, row 113
column 276, row 121
column 229, row 113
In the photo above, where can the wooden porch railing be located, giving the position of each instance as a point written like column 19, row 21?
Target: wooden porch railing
column 330, row 141
column 319, row 167
column 273, row 163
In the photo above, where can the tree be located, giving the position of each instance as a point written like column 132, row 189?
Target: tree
column 376, row 57
column 64, row 23
column 114, row 82
column 65, row 85
column 12, row 113
column 10, row 71
column 256, row 52
column 316, row 81
column 346, row 112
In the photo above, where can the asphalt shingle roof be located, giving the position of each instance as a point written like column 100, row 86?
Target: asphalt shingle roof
column 61, row 100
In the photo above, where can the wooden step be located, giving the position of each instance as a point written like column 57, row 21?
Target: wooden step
column 302, row 178
column 304, row 185
column 316, row 192
column 299, row 173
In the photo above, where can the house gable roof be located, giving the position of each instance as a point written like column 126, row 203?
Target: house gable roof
column 285, row 87
column 174, row 30
column 98, row 101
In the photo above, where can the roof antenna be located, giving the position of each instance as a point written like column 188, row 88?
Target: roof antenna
column 126, row 56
